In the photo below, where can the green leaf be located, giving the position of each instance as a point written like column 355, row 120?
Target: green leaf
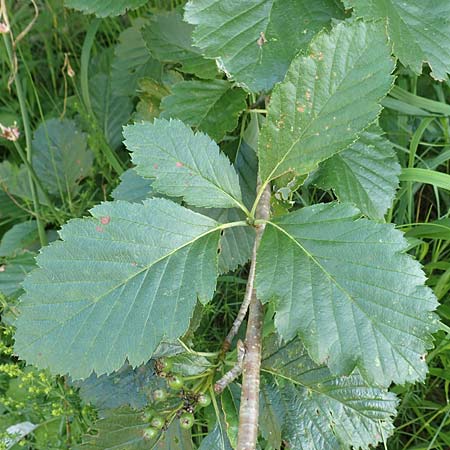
column 183, row 164
column 271, row 414
column 60, row 156
column 230, row 402
column 346, row 287
column 326, row 99
column 13, row 271
column 186, row 364
column 132, row 61
column 120, row 429
column 169, row 39
column 248, row 39
column 128, row 386
column 365, row 174
column 176, row 438
column 236, row 243
column 16, row 183
column 121, row 271
column 321, row 411
column 112, row 111
column 21, row 238
column 132, row 188
column 419, row 29
column 210, row 106
column 104, row 8
column 217, row 439
column 150, row 95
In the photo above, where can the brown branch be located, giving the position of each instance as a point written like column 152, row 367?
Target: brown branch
column 249, row 409
column 232, row 374
column 245, row 304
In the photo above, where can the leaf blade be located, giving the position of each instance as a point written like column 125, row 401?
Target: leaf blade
column 310, row 111
column 369, row 311
column 183, row 164
column 119, row 270
column 365, row 174
column 248, row 38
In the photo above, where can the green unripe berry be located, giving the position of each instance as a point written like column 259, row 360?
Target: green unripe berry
column 147, row 415
column 186, row 420
column 150, row 433
column 157, row 422
column 204, row 400
column 159, row 395
column 175, row 382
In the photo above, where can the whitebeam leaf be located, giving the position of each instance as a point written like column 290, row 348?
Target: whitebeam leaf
column 100, row 294
column 322, row 411
column 346, row 287
column 326, row 99
column 183, row 163
column 419, row 29
column 169, row 39
column 365, row 174
column 249, row 39
column 104, row 8
column 210, row 106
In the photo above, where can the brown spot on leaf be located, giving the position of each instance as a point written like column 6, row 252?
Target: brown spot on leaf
column 262, row 39
column 155, row 166
column 105, row 220
column 300, row 109
column 179, row 164
column 99, row 229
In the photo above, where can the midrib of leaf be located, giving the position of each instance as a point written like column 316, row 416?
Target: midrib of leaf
column 200, row 175
column 144, row 269
column 296, row 141
column 347, row 294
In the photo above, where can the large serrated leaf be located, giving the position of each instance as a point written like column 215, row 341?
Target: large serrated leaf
column 419, row 29
column 183, row 163
column 345, row 285
column 249, row 39
column 326, row 99
column 210, row 106
column 99, row 294
column 104, row 8
column 365, row 174
column 60, row 156
column 21, row 238
column 169, row 39
column 321, row 411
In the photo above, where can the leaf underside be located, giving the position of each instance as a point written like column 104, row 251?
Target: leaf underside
column 318, row 411
column 346, row 287
column 248, row 39
column 419, row 29
column 104, row 288
column 326, row 99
